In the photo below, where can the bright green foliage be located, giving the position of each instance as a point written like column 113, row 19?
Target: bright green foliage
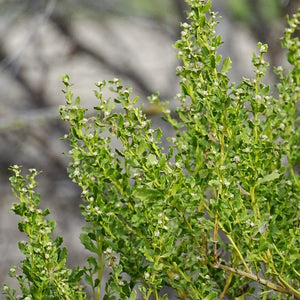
column 216, row 211
column 43, row 274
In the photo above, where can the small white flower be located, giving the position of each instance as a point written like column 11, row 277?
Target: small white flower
column 177, row 164
column 227, row 183
column 237, row 159
column 184, row 33
column 263, row 48
column 146, row 275
column 258, row 98
column 249, row 223
column 156, row 233
column 108, row 251
column 184, row 147
column 176, row 276
column 47, row 255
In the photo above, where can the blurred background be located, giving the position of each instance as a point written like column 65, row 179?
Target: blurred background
column 92, row 40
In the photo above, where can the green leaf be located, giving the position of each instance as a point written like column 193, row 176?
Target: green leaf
column 149, row 254
column 77, row 101
column 145, row 193
column 226, row 66
column 118, row 269
column 265, row 90
column 158, row 134
column 151, row 160
column 211, row 296
column 87, row 242
column 268, row 177
column 205, row 7
column 133, row 295
column 141, row 147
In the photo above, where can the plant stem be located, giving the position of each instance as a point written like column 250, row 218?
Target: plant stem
column 285, row 290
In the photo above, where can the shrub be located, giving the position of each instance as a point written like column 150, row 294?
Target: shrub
column 214, row 213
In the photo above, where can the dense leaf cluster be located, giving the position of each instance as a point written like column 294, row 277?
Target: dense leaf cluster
column 207, row 217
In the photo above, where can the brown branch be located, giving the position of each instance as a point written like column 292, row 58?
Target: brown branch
column 281, row 289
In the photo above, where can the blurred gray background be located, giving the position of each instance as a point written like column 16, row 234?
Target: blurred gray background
column 92, row 40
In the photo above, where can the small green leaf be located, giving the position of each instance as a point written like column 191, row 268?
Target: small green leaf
column 268, row 177
column 148, row 255
column 158, row 134
column 118, row 269
column 226, row 66
column 141, row 147
column 133, row 295
column 211, row 296
column 151, row 160
column 205, row 7
column 77, row 101
column 87, row 242
column 145, row 193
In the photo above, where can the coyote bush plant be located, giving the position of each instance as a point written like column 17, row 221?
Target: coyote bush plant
column 208, row 217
